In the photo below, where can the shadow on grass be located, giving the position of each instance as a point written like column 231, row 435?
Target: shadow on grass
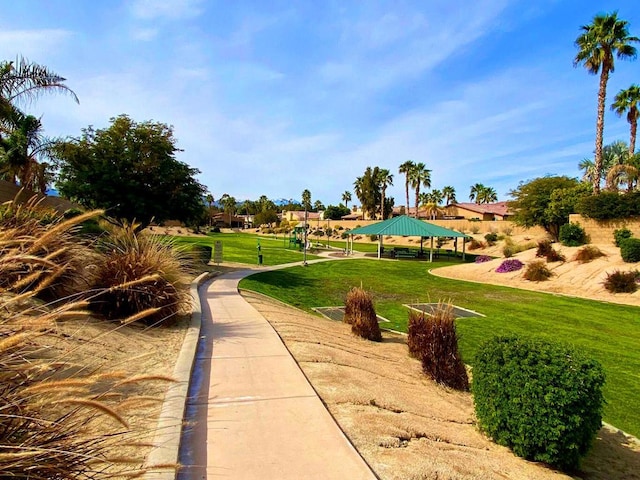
column 287, row 278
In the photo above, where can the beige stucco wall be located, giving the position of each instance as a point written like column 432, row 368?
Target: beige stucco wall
column 601, row 231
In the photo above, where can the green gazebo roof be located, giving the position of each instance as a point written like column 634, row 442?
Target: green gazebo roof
column 406, row 226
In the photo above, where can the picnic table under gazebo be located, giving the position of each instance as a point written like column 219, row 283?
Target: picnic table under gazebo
column 405, row 226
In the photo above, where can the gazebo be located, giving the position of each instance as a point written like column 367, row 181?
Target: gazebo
column 408, row 227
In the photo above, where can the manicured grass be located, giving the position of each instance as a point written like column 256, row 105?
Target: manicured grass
column 243, row 248
column 607, row 332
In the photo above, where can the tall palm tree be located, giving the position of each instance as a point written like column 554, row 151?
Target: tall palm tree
column 627, row 101
column 420, row 177
column 407, row 168
column 606, row 37
column 476, row 192
column 437, row 196
column 209, row 198
column 384, row 179
column 306, row 199
column 346, row 198
column 488, row 195
column 449, row 194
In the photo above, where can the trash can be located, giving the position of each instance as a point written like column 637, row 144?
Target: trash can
column 259, row 259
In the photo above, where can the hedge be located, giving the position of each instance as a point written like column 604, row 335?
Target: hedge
column 542, row 400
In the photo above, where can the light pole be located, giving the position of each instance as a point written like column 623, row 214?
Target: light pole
column 304, row 250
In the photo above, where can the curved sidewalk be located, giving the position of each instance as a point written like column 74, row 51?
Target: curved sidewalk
column 252, row 414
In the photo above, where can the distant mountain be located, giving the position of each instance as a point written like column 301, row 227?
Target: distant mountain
column 52, row 192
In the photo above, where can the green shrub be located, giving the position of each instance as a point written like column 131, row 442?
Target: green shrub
column 572, row 235
column 542, row 400
column 588, row 253
column 621, row 234
column 491, row 238
column 433, row 340
column 622, row 282
column 630, row 250
column 373, row 238
column 537, row 271
column 344, row 235
column 360, row 313
column 609, row 205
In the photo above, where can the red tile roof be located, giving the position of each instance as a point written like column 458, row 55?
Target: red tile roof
column 498, row 208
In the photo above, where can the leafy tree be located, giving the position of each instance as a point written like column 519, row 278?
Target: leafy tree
column 367, row 189
column 130, row 170
column 407, row 168
column 336, row 212
column 532, row 203
column 265, row 217
column 389, row 203
column 627, row 101
column 602, row 40
column 346, row 198
column 384, row 179
column 420, row 177
column 563, row 201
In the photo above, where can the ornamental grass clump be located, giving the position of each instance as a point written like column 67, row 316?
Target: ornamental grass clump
column 433, row 340
column 541, row 399
column 476, row 245
column 61, row 417
column 483, row 259
column 537, row 271
column 622, row 282
column 510, row 265
column 588, row 253
column 360, row 313
column 41, row 253
column 141, row 273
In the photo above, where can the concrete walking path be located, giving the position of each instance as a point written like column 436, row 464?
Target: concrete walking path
column 252, row 414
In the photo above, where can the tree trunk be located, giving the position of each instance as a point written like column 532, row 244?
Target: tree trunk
column 382, row 202
column 417, row 198
column 602, row 96
column 406, row 188
column 632, row 136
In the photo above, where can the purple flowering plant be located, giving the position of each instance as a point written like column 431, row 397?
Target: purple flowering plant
column 510, row 265
column 483, row 258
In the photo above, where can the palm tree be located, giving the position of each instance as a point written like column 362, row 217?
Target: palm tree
column 476, row 192
column 605, row 37
column 488, row 195
column 407, row 168
column 627, row 101
column 346, row 198
column 589, row 168
column 449, row 195
column 210, row 201
column 384, row 179
column 622, row 173
column 306, row 199
column 420, row 177
column 22, row 151
column 437, row 196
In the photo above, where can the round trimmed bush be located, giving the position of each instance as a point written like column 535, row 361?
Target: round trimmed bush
column 541, row 399
column 572, row 235
column 620, row 234
column 630, row 250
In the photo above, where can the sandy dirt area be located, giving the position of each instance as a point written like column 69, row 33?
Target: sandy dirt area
column 404, row 425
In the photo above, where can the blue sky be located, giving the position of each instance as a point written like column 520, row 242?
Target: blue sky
column 272, row 97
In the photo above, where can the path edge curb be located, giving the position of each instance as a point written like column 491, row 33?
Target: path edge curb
column 166, row 441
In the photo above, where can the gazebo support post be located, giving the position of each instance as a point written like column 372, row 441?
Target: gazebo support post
column 379, row 246
column 431, row 251
column 455, row 247
column 464, row 243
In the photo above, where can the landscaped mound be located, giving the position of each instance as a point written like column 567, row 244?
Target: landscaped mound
column 542, row 400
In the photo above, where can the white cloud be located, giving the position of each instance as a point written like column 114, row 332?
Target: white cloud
column 32, row 44
column 144, row 34
column 168, row 9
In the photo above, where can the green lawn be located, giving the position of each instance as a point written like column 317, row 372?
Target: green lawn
column 243, row 248
column 607, row 332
